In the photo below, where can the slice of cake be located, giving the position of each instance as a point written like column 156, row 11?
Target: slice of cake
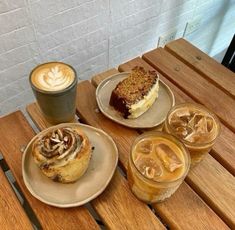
column 135, row 95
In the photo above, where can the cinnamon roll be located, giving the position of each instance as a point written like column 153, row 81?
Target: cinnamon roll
column 62, row 153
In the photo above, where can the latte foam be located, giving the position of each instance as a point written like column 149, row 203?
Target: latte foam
column 53, row 76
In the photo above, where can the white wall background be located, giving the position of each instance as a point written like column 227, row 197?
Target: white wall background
column 94, row 35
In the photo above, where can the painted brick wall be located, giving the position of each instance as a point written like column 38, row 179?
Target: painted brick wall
column 94, row 35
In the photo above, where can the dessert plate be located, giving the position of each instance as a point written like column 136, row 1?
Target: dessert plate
column 153, row 117
column 99, row 173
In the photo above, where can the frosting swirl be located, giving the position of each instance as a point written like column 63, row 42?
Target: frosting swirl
column 59, row 147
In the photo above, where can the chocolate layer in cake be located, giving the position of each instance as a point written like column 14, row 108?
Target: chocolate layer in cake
column 135, row 95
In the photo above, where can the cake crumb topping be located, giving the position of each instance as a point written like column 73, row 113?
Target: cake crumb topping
column 136, row 85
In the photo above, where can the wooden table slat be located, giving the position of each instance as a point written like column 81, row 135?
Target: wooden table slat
column 216, row 186
column 16, row 132
column 203, row 64
column 11, row 216
column 193, row 84
column 184, row 204
column 224, row 148
column 221, row 206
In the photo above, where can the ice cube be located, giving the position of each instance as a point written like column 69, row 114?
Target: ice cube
column 191, row 122
column 193, row 137
column 198, row 117
column 145, row 146
column 177, row 122
column 185, row 119
column 181, row 132
column 148, row 167
column 168, row 157
column 201, row 126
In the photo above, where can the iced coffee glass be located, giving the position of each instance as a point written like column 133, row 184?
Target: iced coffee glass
column 195, row 126
column 158, row 164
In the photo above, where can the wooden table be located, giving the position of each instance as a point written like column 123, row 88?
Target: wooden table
column 206, row 200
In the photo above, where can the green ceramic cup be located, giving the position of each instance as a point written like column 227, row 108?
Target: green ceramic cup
column 57, row 106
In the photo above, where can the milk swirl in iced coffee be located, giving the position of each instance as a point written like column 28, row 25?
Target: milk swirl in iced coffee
column 196, row 126
column 157, row 166
column 53, row 76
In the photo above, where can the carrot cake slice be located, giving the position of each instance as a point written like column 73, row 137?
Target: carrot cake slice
column 135, row 94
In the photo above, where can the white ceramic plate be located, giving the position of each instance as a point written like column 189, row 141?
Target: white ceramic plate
column 99, row 173
column 153, row 117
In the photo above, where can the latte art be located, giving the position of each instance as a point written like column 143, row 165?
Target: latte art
column 53, row 76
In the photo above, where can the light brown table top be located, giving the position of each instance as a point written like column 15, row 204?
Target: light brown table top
column 205, row 200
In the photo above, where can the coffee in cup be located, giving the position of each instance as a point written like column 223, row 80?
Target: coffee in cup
column 54, row 85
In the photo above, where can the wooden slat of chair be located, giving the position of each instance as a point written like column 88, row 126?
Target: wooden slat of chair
column 16, row 132
column 111, row 204
column 178, row 211
column 224, row 143
column 12, row 213
column 203, row 64
column 219, row 205
column 193, row 84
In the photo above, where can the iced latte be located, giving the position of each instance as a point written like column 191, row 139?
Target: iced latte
column 158, row 164
column 195, row 126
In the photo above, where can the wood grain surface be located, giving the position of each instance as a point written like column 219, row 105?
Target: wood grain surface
column 222, row 206
column 216, row 186
column 12, row 214
column 185, row 203
column 15, row 132
column 206, row 66
column 193, row 84
column 186, row 210
column 224, row 148
column 119, row 208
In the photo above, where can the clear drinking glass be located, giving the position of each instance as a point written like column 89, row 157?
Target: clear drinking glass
column 148, row 176
column 196, row 126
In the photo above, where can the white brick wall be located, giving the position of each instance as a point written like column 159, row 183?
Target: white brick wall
column 94, row 35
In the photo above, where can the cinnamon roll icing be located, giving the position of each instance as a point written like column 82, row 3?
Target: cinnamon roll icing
column 62, row 154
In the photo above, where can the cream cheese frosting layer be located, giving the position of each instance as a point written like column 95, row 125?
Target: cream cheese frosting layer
column 143, row 105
